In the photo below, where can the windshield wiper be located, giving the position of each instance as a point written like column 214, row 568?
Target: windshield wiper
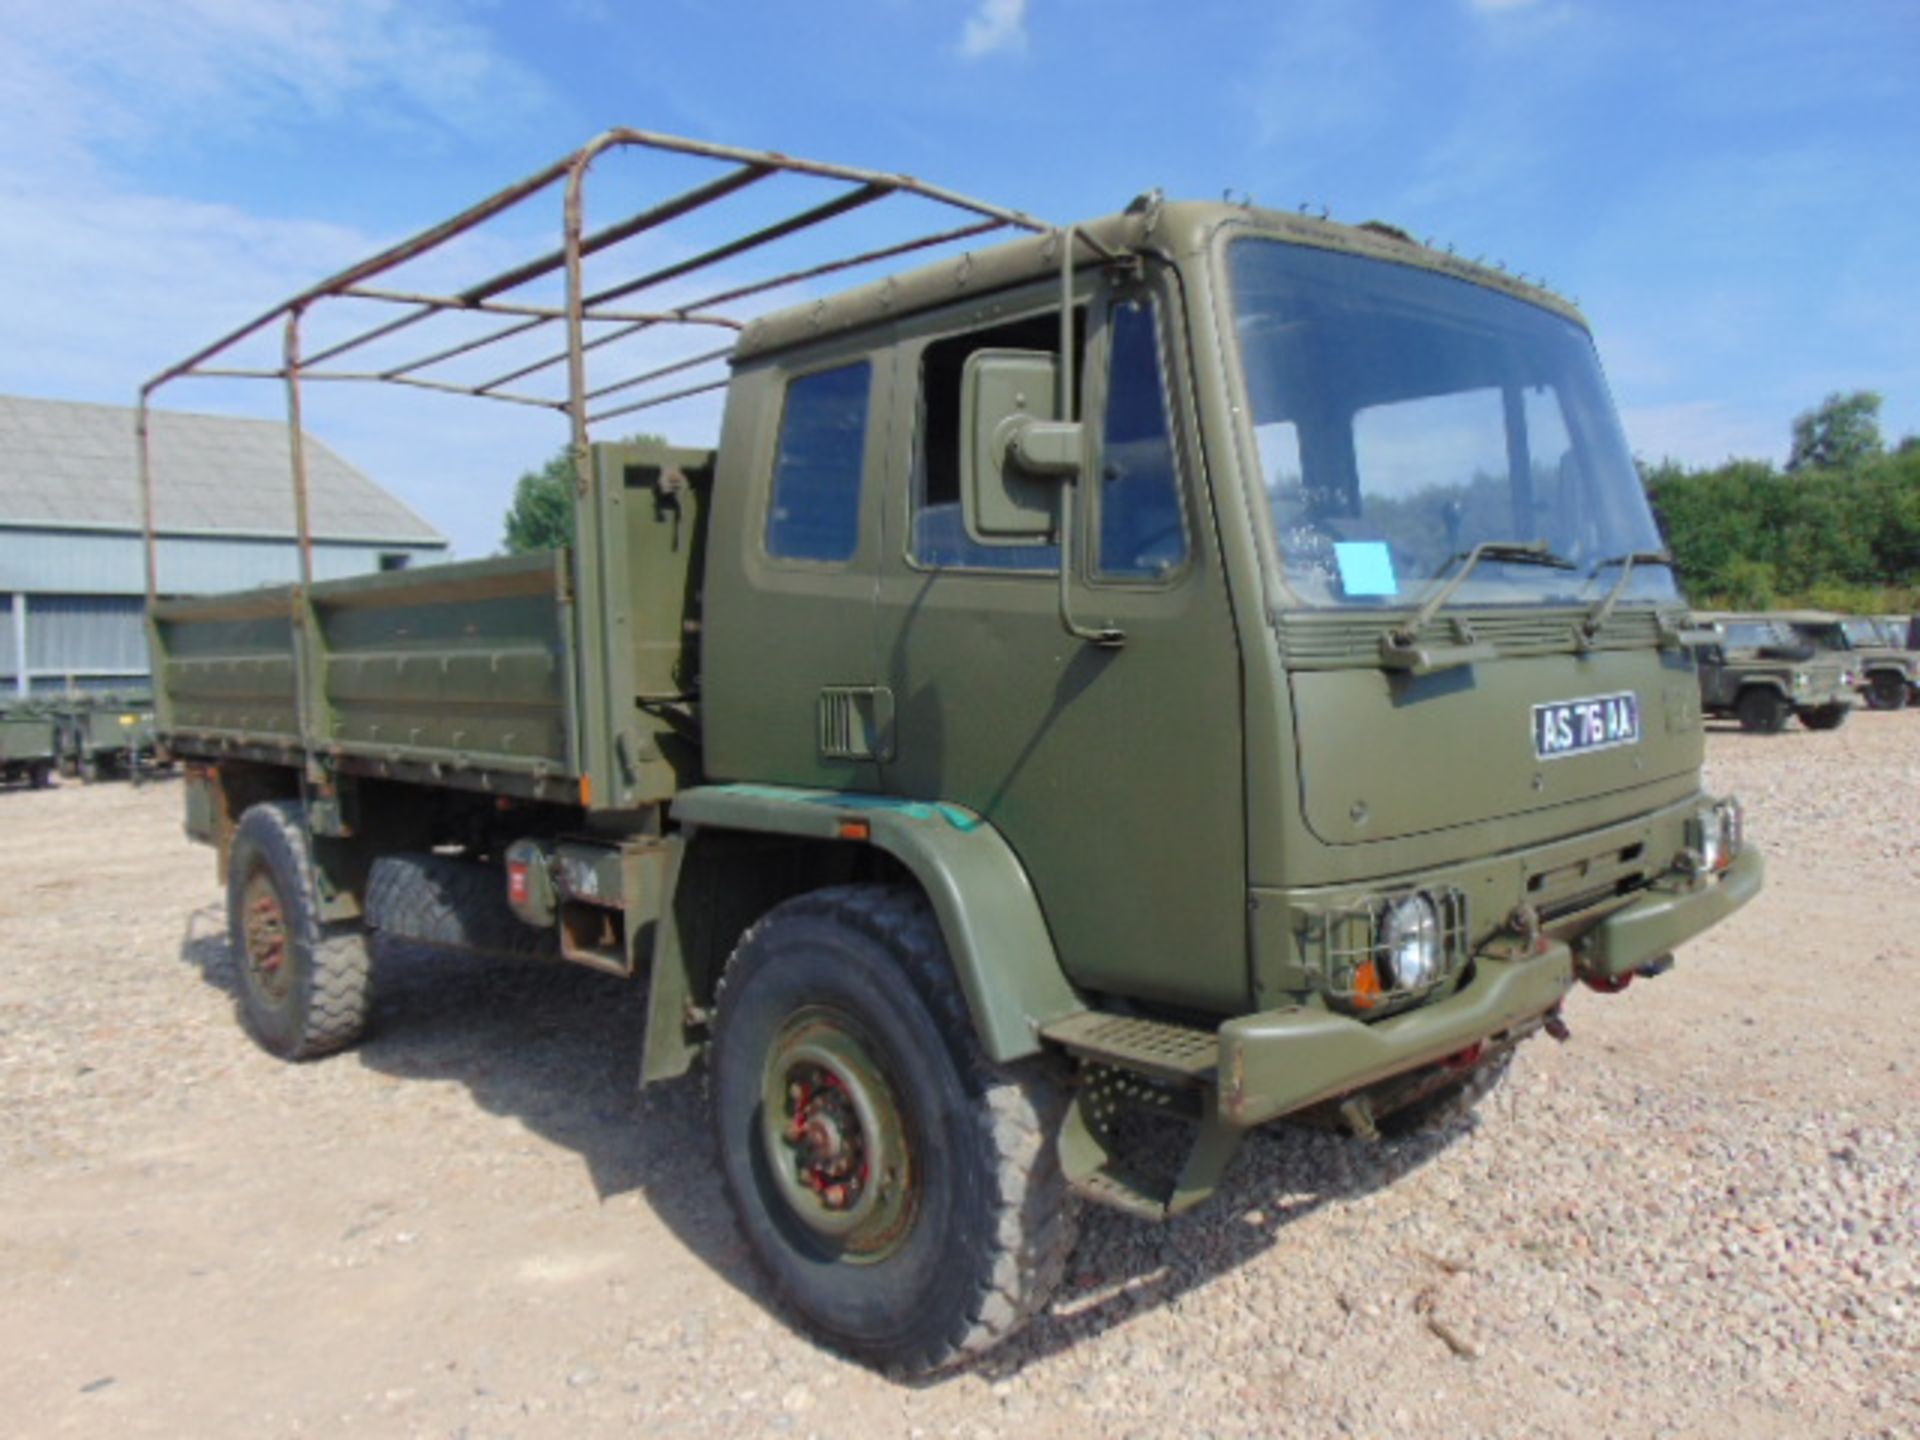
column 1511, row 552
column 1597, row 617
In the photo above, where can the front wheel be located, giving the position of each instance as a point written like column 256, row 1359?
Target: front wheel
column 903, row 1193
column 1825, row 717
column 1887, row 691
column 1762, row 711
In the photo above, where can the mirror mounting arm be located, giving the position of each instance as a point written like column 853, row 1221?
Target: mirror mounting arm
column 1057, row 449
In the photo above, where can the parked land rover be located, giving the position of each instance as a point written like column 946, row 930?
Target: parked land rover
column 1882, row 672
column 1757, row 670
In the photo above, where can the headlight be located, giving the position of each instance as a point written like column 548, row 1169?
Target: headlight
column 1713, row 842
column 1717, row 832
column 1410, row 942
column 1733, row 827
column 1800, row 679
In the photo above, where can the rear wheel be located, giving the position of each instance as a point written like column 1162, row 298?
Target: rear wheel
column 903, row 1193
column 1887, row 691
column 1825, row 717
column 1762, row 711
column 41, row 776
column 302, row 983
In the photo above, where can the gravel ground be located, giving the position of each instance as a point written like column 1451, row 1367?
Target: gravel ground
column 1700, row 1217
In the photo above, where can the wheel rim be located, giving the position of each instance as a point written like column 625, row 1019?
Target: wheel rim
column 264, row 933
column 834, row 1137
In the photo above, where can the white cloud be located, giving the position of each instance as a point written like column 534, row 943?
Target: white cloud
column 105, row 277
column 997, row 25
column 98, row 72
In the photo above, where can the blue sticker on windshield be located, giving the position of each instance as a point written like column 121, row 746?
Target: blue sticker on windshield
column 1365, row 568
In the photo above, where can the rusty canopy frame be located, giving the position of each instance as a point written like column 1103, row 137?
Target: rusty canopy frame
column 492, row 297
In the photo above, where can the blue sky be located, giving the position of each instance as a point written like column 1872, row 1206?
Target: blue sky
column 1731, row 190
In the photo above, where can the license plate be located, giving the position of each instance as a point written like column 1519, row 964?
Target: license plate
column 1575, row 727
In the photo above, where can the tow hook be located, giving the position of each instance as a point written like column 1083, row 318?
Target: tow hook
column 1555, row 1026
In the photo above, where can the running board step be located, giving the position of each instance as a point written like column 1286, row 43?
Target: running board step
column 1095, row 1170
column 1146, row 1047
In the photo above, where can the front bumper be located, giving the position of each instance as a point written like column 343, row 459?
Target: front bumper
column 1279, row 1061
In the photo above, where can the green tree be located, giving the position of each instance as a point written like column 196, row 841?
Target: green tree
column 1839, row 434
column 541, row 515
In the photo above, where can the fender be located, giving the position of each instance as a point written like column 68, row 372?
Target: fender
column 981, row 896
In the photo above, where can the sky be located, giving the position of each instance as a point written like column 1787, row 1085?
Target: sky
column 1730, row 189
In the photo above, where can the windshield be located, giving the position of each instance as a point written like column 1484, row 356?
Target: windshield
column 1403, row 417
column 1755, row 634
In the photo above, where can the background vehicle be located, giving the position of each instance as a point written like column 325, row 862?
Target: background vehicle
column 1759, row 672
column 26, row 743
column 1882, row 671
column 105, row 734
column 1205, row 662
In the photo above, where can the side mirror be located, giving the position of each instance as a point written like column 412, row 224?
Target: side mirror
column 1014, row 449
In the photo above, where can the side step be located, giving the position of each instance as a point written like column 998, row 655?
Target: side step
column 1154, row 1067
column 1146, row 1047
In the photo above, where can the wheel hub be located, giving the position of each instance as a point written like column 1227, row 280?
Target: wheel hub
column 834, row 1138
column 264, row 928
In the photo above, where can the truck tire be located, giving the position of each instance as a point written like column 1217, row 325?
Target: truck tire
column 41, row 776
column 1762, row 711
column 1448, row 1106
column 302, row 983
column 903, row 1193
column 450, row 904
column 1887, row 691
column 1825, row 717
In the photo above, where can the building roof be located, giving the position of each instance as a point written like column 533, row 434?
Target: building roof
column 69, row 465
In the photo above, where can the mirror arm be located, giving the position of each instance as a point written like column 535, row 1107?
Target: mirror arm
column 1058, row 452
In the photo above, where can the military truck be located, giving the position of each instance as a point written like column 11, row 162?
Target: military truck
column 1882, row 672
column 106, row 735
column 1107, row 691
column 1755, row 669
column 26, row 743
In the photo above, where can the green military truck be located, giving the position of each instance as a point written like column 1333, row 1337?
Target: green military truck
column 1882, row 672
column 1755, row 669
column 1206, row 664
column 106, row 735
column 26, row 743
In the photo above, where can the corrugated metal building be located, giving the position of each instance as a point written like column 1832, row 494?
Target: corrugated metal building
column 72, row 571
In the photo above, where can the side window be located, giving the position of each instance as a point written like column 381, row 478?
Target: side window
column 939, row 538
column 815, row 509
column 1143, row 534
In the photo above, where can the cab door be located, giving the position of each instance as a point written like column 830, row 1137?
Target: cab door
column 1114, row 772
column 790, row 690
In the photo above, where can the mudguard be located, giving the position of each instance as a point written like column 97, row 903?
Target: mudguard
column 988, row 914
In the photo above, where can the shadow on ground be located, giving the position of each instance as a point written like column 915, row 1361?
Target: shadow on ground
column 557, row 1048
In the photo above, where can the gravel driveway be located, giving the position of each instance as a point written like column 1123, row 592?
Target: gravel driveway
column 1699, row 1217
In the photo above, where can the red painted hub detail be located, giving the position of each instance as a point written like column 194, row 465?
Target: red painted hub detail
column 825, row 1132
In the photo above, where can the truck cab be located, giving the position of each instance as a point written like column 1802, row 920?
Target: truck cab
column 1362, row 621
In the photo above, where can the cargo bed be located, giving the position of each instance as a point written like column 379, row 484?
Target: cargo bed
column 468, row 675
